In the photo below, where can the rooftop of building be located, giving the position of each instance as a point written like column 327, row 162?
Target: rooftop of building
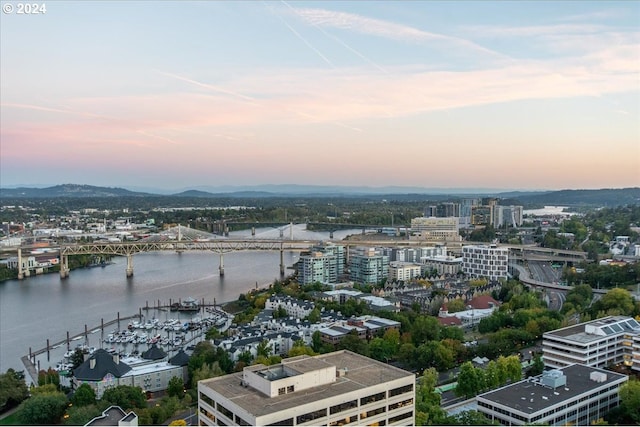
column 361, row 372
column 530, row 396
column 110, row 417
column 598, row 329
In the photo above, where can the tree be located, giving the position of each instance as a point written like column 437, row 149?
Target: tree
column 178, row 422
column 314, row 316
column 428, row 410
column 13, row 389
column 280, row 313
column 470, row 381
column 455, row 306
column 206, row 371
column 425, row 328
column 630, row 399
column 316, row 341
column 125, row 396
column 50, row 376
column 299, row 348
column 619, row 300
column 77, row 358
column 353, row 342
column 84, row 395
column 175, row 387
column 264, row 348
column 511, row 366
column 80, row 415
column 43, row 409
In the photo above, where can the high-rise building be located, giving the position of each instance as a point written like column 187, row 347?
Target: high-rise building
column 323, row 264
column 368, row 265
column 331, row 389
column 485, row 261
column 481, row 215
column 510, row 216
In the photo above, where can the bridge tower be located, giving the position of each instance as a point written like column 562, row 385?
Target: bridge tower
column 221, row 268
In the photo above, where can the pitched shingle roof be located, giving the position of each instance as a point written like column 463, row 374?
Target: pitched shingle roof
column 180, row 359
column 154, row 353
column 104, row 364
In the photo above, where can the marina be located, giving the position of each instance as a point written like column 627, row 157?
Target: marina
column 131, row 336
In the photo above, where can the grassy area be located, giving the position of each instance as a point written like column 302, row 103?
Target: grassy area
column 11, row 420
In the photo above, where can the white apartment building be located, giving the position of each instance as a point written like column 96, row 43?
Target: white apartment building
column 598, row 343
column 485, row 261
column 436, row 229
column 403, row 271
column 575, row 395
column 293, row 306
column 330, row 389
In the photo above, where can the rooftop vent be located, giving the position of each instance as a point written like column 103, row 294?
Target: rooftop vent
column 553, row 378
column 598, row 377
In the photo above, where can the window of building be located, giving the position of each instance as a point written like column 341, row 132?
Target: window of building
column 290, row 389
column 401, row 417
column 372, row 398
column 344, row 421
column 310, row 416
column 401, row 390
column 241, row 422
column 207, row 400
column 224, row 411
column 343, row 407
column 373, row 412
column 400, row 404
column 281, row 391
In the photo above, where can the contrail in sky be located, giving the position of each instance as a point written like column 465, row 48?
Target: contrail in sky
column 305, row 41
column 337, row 39
column 211, row 87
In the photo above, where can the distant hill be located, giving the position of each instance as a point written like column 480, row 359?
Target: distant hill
column 602, row 197
column 68, row 190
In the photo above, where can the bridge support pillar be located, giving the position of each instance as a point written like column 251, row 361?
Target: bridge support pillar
column 226, row 231
column 253, row 231
column 221, row 268
column 64, row 266
column 331, row 234
column 129, row 265
column 20, row 272
column 281, row 262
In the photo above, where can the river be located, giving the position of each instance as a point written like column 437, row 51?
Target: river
column 45, row 307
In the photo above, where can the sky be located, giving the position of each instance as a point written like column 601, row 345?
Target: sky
column 451, row 94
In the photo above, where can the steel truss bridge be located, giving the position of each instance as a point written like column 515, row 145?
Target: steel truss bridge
column 220, row 247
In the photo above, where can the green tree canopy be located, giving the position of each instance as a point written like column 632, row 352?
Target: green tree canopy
column 43, row 409
column 125, row 396
column 176, row 387
column 13, row 389
column 84, row 395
